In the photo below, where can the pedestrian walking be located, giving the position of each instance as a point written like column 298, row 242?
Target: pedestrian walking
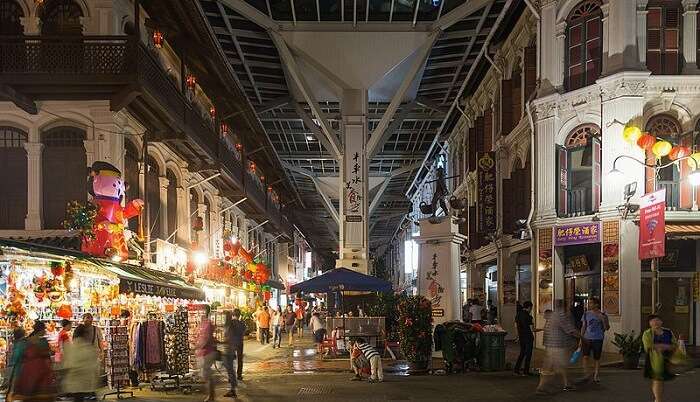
column 33, row 376
column 277, row 325
column 560, row 339
column 256, row 318
column 363, row 354
column 659, row 345
column 264, row 320
column 80, row 367
column 289, row 320
column 93, row 333
column 466, row 315
column 18, row 337
column 318, row 329
column 492, row 312
column 206, row 352
column 526, row 338
column 234, row 332
column 299, row 320
column 594, row 323
column 64, row 338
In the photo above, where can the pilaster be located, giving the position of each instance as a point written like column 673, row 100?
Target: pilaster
column 202, row 236
column 546, row 127
column 548, row 51
column 91, row 151
column 559, row 54
column 183, row 218
column 642, row 31
column 163, row 195
column 622, row 37
column 690, row 25
column 34, row 196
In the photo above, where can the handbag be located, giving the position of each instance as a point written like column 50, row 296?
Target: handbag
column 575, row 356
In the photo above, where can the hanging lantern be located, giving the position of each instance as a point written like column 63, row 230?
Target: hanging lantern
column 239, row 147
column 224, row 128
column 694, row 160
column 269, row 189
column 631, row 134
column 212, row 112
column 158, row 39
column 661, row 148
column 646, row 141
column 251, row 167
column 191, row 81
column 678, row 152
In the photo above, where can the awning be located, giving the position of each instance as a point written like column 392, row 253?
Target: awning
column 144, row 281
column 682, row 229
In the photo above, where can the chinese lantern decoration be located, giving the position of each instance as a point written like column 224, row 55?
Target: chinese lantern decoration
column 191, row 81
column 212, row 112
column 224, row 128
column 239, row 147
column 252, row 267
column 65, row 311
column 57, row 269
column 248, row 275
column 631, row 134
column 661, row 148
column 694, row 160
column 158, row 39
column 678, row 152
column 251, row 167
column 646, row 141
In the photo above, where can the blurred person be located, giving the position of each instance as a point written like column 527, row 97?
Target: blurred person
column 234, row 332
column 94, row 335
column 299, row 320
column 466, row 315
column 526, row 338
column 289, row 320
column 80, row 367
column 560, row 339
column 277, row 325
column 594, row 323
column 318, row 330
column 659, row 344
column 63, row 339
column 18, row 338
column 33, row 378
column 264, row 322
column 492, row 312
column 206, row 352
column 256, row 319
column 475, row 311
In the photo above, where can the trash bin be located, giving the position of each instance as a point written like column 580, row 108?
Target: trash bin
column 492, row 351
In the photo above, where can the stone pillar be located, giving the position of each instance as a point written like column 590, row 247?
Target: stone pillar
column 546, row 126
column 163, row 216
column 622, row 37
column 438, row 272
column 548, row 47
column 690, row 24
column 354, row 190
column 34, row 194
column 91, row 151
column 30, row 24
column 642, row 31
column 183, row 218
column 559, row 52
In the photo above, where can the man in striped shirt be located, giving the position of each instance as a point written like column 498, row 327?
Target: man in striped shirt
column 363, row 349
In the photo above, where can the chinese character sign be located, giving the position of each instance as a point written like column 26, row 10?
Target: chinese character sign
column 581, row 233
column 435, row 289
column 353, row 186
column 652, row 225
column 486, row 201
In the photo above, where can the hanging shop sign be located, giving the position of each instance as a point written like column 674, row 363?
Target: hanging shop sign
column 127, row 286
column 652, row 225
column 580, row 233
column 486, row 176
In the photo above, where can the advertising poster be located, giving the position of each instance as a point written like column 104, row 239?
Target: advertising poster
column 652, row 225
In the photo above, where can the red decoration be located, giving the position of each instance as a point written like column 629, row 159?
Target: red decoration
column 251, row 167
column 678, row 152
column 158, row 39
column 191, row 81
column 228, row 246
column 239, row 147
column 224, row 128
column 65, row 311
column 267, row 295
column 212, row 112
column 57, row 269
column 248, row 275
column 646, row 141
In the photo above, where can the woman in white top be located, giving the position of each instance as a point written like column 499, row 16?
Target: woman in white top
column 318, row 329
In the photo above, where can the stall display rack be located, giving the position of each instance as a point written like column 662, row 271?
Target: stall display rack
column 117, row 358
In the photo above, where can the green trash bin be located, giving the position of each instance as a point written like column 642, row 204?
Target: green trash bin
column 492, row 351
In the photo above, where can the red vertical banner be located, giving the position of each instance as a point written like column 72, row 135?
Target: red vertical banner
column 652, row 225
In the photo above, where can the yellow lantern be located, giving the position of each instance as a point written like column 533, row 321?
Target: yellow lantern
column 631, row 134
column 693, row 160
column 661, row 148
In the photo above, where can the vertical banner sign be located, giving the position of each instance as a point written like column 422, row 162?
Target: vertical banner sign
column 435, row 288
column 486, row 200
column 611, row 267
column 652, row 225
column 544, row 270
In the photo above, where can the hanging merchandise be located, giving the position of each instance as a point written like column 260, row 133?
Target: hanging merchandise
column 176, row 342
column 117, row 338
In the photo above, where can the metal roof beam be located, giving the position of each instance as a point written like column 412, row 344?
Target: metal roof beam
column 459, row 13
column 251, row 13
column 315, row 130
column 273, row 104
column 326, row 200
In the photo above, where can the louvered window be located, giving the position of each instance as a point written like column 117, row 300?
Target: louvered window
column 583, row 44
column 578, row 172
column 13, row 176
column 664, row 37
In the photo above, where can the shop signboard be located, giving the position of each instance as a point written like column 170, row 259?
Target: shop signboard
column 127, row 286
column 580, row 233
column 486, row 201
column 652, row 225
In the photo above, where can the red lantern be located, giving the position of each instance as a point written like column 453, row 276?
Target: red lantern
column 678, row 152
column 261, row 267
column 239, row 147
column 65, row 311
column 212, row 112
column 224, row 128
column 57, row 269
column 191, row 81
column 158, row 39
column 646, row 141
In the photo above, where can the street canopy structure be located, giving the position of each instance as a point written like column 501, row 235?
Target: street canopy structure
column 342, row 279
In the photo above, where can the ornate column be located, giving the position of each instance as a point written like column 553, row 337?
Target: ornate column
column 215, row 220
column 30, row 24
column 163, row 196
column 690, row 26
column 546, row 126
column 622, row 36
column 559, row 54
column 183, row 218
column 642, row 31
column 548, row 51
column 34, row 195
column 202, row 238
column 91, row 151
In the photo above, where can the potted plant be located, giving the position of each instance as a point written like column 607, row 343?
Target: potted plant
column 415, row 331
column 630, row 347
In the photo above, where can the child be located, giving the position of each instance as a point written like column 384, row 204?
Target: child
column 362, row 356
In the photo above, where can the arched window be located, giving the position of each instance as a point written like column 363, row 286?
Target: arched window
column 153, row 198
column 13, row 176
column 584, row 50
column 61, row 17
column 172, row 204
column 131, row 178
column 664, row 36
column 64, row 172
column 678, row 190
column 578, row 172
column 10, row 14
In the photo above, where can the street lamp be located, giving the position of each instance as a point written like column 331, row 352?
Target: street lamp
column 693, row 178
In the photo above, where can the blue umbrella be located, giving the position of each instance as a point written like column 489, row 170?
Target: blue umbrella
column 342, row 279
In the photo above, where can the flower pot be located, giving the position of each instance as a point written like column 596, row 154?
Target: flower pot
column 630, row 362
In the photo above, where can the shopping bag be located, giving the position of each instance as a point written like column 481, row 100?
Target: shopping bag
column 575, row 356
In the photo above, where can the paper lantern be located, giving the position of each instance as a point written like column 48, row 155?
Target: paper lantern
column 661, row 148
column 646, row 141
column 261, row 267
column 678, row 152
column 694, row 160
column 65, row 311
column 631, row 134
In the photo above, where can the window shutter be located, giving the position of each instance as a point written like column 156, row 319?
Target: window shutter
column 686, row 189
column 473, row 235
column 562, row 181
column 596, row 173
column 530, row 71
column 516, row 96
column 650, row 173
column 506, row 108
column 654, row 40
column 507, row 202
column 574, row 57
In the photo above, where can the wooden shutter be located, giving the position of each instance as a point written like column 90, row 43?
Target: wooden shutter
column 530, row 71
column 488, row 130
column 507, row 200
column 575, row 56
column 516, row 98
column 506, row 107
column 473, row 235
column 584, row 49
column 594, row 50
column 686, row 189
column 671, row 41
column 64, row 173
column 596, row 173
column 654, row 40
column 562, row 181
